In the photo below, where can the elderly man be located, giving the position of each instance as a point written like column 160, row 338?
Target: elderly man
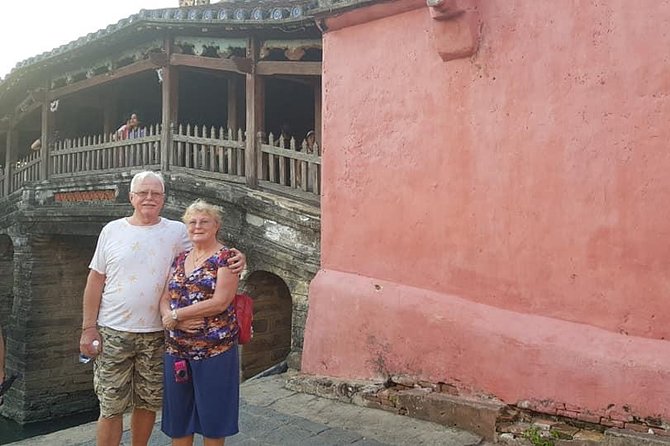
column 122, row 325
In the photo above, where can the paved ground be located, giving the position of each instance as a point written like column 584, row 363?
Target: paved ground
column 273, row 415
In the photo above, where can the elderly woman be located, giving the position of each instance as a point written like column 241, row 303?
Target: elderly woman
column 201, row 366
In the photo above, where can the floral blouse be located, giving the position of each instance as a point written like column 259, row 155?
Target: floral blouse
column 220, row 331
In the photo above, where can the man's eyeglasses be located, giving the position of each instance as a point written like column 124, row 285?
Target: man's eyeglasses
column 145, row 194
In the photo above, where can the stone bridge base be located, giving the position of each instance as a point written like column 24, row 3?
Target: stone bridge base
column 48, row 234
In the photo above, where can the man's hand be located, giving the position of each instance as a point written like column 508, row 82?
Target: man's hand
column 237, row 262
column 168, row 322
column 86, row 347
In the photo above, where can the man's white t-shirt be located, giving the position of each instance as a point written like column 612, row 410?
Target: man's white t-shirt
column 136, row 261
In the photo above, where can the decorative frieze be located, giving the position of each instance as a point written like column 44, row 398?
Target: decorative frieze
column 85, row 195
column 210, row 46
column 293, row 49
column 108, row 64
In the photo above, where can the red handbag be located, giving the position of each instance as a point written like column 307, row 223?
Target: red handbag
column 244, row 310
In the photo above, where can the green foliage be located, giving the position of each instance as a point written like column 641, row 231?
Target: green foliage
column 534, row 435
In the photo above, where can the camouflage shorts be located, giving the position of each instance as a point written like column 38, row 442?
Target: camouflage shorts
column 129, row 371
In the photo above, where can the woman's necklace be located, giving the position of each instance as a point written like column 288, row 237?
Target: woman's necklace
column 197, row 259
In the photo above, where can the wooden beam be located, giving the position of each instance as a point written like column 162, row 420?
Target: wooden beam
column 239, row 65
column 269, row 68
column 170, row 96
column 110, row 110
column 233, row 103
column 10, row 156
column 128, row 70
column 174, row 96
column 255, row 102
column 5, row 124
column 47, row 127
column 317, row 112
column 19, row 114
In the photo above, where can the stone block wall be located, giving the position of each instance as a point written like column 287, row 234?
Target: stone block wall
column 53, row 239
column 43, row 331
column 7, row 282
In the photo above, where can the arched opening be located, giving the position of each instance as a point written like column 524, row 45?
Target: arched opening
column 272, row 323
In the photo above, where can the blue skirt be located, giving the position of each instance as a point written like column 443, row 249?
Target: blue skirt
column 207, row 401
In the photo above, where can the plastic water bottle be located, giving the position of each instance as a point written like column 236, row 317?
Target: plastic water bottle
column 86, row 359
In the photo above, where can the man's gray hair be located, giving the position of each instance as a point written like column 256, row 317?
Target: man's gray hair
column 140, row 177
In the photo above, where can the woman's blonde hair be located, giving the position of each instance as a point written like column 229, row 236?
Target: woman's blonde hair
column 202, row 207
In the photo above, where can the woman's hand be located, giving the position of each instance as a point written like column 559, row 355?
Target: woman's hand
column 237, row 262
column 188, row 325
column 191, row 325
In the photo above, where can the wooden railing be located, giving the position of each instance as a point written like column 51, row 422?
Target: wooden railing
column 285, row 165
column 83, row 156
column 25, row 171
column 216, row 154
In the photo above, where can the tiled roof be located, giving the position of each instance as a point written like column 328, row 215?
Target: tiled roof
column 237, row 14
column 230, row 14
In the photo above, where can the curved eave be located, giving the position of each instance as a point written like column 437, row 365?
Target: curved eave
column 195, row 18
column 330, row 8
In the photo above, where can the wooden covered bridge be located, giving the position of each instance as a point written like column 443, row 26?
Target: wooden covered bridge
column 226, row 95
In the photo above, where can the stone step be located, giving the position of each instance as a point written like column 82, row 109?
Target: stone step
column 474, row 415
column 624, row 437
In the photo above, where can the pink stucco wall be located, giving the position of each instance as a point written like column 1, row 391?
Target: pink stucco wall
column 500, row 220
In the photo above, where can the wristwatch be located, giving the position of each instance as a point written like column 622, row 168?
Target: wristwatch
column 173, row 313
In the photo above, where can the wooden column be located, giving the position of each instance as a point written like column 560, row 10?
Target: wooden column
column 233, row 104
column 255, row 101
column 47, row 130
column 10, row 156
column 317, row 111
column 170, row 97
column 110, row 110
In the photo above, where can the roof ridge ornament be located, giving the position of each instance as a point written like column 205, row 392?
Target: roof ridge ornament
column 183, row 3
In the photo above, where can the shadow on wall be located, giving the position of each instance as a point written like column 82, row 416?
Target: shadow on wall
column 272, row 323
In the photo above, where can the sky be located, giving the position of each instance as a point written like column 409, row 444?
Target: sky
column 32, row 27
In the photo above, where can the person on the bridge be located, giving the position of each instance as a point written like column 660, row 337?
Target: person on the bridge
column 130, row 129
column 310, row 142
column 127, row 277
column 201, row 374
